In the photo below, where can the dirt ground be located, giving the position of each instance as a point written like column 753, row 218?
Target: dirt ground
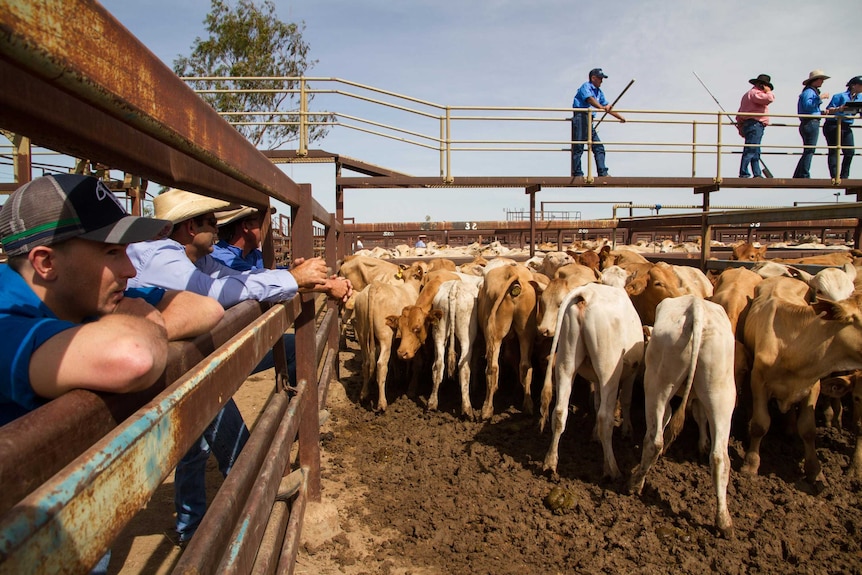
column 411, row 492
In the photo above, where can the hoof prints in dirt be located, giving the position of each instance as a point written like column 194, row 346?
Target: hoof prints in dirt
column 470, row 497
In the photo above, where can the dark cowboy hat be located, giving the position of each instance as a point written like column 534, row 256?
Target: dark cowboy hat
column 762, row 79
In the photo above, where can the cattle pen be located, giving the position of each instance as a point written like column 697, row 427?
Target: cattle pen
column 76, row 472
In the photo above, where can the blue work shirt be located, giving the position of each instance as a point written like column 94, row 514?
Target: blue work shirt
column 586, row 91
column 809, row 102
column 231, row 256
column 839, row 100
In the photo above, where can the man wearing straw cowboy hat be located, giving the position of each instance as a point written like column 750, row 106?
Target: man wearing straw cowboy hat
column 755, row 104
column 184, row 259
column 239, row 238
column 809, row 128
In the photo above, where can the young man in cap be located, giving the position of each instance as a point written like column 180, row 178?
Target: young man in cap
column 843, row 114
column 590, row 95
column 66, row 320
column 809, row 128
column 185, row 259
column 755, row 104
column 63, row 307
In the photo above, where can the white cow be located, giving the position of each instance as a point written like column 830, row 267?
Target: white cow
column 455, row 308
column 690, row 352
column 600, row 338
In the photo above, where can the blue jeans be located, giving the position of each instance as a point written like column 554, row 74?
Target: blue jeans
column 830, row 130
column 581, row 122
column 225, row 437
column 753, row 132
column 809, row 129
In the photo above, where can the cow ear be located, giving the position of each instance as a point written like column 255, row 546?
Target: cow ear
column 636, row 286
column 850, row 270
column 836, row 310
column 434, row 316
column 538, row 286
column 799, row 274
column 392, row 321
column 605, row 250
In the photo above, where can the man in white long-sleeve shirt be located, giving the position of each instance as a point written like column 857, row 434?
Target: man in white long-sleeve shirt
column 184, row 259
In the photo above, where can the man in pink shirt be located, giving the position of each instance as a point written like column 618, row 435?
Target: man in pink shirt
column 754, row 106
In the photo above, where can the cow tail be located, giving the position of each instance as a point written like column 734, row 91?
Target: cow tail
column 677, row 421
column 450, row 327
column 370, row 343
column 547, row 385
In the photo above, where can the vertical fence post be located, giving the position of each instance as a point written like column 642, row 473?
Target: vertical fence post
column 693, row 148
column 303, row 119
column 448, row 140
column 302, row 235
column 717, row 178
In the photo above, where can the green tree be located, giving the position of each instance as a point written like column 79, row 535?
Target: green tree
column 250, row 41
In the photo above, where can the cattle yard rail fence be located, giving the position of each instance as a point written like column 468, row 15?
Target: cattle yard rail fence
column 77, row 470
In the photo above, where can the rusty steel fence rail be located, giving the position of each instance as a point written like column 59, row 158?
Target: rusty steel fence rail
column 448, row 129
column 75, row 471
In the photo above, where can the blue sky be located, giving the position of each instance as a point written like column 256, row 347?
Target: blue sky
column 516, row 53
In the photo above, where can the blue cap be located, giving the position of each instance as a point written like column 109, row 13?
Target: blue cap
column 597, row 72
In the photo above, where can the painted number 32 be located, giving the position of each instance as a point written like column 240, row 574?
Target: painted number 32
column 470, row 226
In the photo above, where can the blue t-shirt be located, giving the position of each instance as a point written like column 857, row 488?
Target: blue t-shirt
column 26, row 323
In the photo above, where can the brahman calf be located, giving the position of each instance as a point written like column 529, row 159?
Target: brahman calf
column 795, row 344
column 454, row 316
column 598, row 336
column 690, row 353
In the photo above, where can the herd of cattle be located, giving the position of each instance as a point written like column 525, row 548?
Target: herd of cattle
column 734, row 340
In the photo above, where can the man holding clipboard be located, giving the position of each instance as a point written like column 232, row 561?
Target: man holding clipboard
column 842, row 107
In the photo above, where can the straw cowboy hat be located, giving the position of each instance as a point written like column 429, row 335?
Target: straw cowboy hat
column 815, row 75
column 762, row 79
column 179, row 205
column 241, row 213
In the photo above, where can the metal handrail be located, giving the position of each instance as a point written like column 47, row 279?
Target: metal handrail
column 455, row 137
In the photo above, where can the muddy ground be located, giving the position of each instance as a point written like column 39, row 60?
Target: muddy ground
column 417, row 492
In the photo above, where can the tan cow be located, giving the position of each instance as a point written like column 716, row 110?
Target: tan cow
column 748, row 252
column 568, row 278
column 833, row 259
column 377, row 308
column 692, row 280
column 794, row 345
column 734, row 291
column 829, row 283
column 414, row 320
column 647, row 285
column 435, row 264
column 507, row 306
column 619, row 257
column 589, row 258
column 690, row 353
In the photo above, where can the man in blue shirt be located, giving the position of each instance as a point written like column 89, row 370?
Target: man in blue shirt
column 589, row 95
column 66, row 317
column 239, row 239
column 809, row 128
column 843, row 114
column 186, row 259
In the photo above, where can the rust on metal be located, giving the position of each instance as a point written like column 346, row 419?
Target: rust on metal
column 69, row 521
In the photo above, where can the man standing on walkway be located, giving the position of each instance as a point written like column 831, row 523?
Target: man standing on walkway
column 755, row 106
column 589, row 95
column 843, row 113
column 809, row 128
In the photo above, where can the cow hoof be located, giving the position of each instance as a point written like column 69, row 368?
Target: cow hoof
column 432, row 405
column 751, row 464
column 726, row 532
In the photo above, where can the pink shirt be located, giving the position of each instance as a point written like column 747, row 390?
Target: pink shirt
column 755, row 101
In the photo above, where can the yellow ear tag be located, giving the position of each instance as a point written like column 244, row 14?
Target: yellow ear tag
column 516, row 290
column 399, row 275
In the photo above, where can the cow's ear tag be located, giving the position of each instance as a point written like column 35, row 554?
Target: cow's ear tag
column 515, row 291
column 399, row 275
